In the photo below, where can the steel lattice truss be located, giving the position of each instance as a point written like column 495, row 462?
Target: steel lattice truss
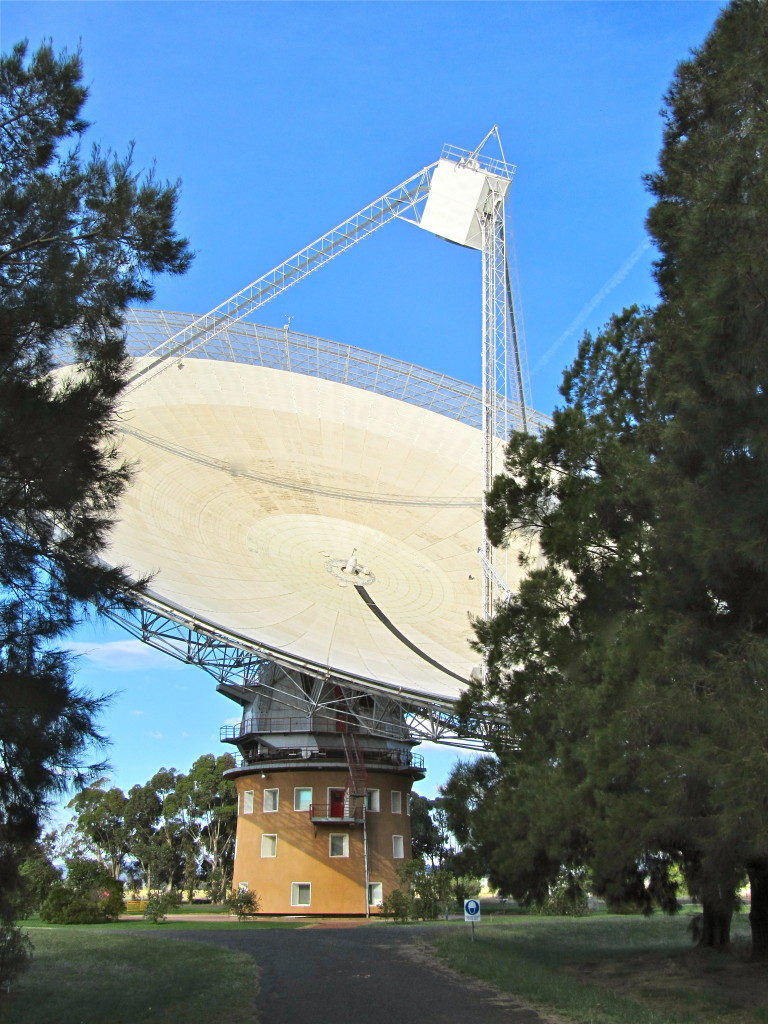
column 282, row 349
column 396, row 203
column 501, row 404
column 237, row 662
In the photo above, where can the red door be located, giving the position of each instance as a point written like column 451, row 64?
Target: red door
column 336, row 802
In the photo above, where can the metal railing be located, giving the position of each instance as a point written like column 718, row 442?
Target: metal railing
column 254, row 724
column 332, row 812
column 281, row 349
column 373, row 758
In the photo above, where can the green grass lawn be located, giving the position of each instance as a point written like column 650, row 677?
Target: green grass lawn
column 609, row 969
column 138, row 921
column 124, row 973
column 93, row 974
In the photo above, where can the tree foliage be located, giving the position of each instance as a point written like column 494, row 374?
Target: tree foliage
column 81, row 236
column 204, row 804
column 88, row 895
column 631, row 665
column 174, row 831
column 429, row 833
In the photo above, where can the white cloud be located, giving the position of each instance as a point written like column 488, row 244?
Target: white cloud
column 137, row 712
column 122, row 655
column 232, row 721
column 154, row 735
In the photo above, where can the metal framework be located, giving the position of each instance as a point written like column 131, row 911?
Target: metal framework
column 395, row 203
column 500, row 404
column 238, row 664
column 282, row 349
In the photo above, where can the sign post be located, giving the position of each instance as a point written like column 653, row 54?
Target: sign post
column 472, row 913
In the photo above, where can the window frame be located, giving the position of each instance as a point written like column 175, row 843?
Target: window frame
column 372, row 901
column 344, row 836
column 396, row 797
column 247, row 798
column 373, row 796
column 395, row 854
column 276, row 808
column 302, row 789
column 295, row 893
column 268, row 835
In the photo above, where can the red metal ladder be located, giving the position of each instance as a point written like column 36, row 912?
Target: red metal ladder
column 358, row 775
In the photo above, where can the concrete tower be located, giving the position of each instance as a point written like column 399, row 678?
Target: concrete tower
column 324, row 782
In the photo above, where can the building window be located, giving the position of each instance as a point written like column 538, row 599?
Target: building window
column 397, row 802
column 375, row 894
column 301, row 894
column 372, row 800
column 397, row 847
column 248, row 801
column 408, row 804
column 302, row 799
column 242, row 887
column 269, row 846
column 271, row 800
column 338, row 845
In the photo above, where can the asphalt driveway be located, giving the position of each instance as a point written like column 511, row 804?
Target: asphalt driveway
column 364, row 975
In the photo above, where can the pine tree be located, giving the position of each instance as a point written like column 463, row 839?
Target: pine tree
column 710, row 378
column 81, row 237
column 632, row 664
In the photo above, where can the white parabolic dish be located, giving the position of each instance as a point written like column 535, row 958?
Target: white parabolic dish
column 254, row 485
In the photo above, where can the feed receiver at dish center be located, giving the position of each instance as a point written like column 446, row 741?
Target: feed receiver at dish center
column 461, row 196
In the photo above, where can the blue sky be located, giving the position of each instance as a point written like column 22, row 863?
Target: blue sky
column 283, row 119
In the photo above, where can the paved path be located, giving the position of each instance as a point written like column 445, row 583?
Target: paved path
column 368, row 975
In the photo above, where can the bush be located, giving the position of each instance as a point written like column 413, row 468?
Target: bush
column 243, row 903
column 399, row 905
column 161, row 903
column 15, row 954
column 567, row 896
column 38, row 874
column 423, row 895
column 90, row 895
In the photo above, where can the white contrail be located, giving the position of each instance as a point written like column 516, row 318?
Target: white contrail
column 593, row 303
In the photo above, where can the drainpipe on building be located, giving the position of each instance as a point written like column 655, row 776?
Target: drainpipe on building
column 365, row 860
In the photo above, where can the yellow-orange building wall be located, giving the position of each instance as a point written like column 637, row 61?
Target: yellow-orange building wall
column 302, row 852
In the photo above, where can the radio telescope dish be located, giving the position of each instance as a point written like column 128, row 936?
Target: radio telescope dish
column 321, row 504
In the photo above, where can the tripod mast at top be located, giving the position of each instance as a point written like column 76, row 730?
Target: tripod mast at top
column 466, row 205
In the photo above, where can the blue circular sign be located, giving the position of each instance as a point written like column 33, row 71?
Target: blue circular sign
column 471, row 907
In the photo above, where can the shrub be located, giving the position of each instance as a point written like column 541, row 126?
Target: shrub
column 243, row 903
column 567, row 896
column 38, row 874
column 90, row 895
column 422, row 895
column 15, row 954
column 161, row 903
column 399, row 905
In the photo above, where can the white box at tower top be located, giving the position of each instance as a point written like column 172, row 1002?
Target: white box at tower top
column 458, row 194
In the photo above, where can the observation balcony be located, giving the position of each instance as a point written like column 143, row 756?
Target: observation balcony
column 292, row 757
column 332, row 814
column 258, row 725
